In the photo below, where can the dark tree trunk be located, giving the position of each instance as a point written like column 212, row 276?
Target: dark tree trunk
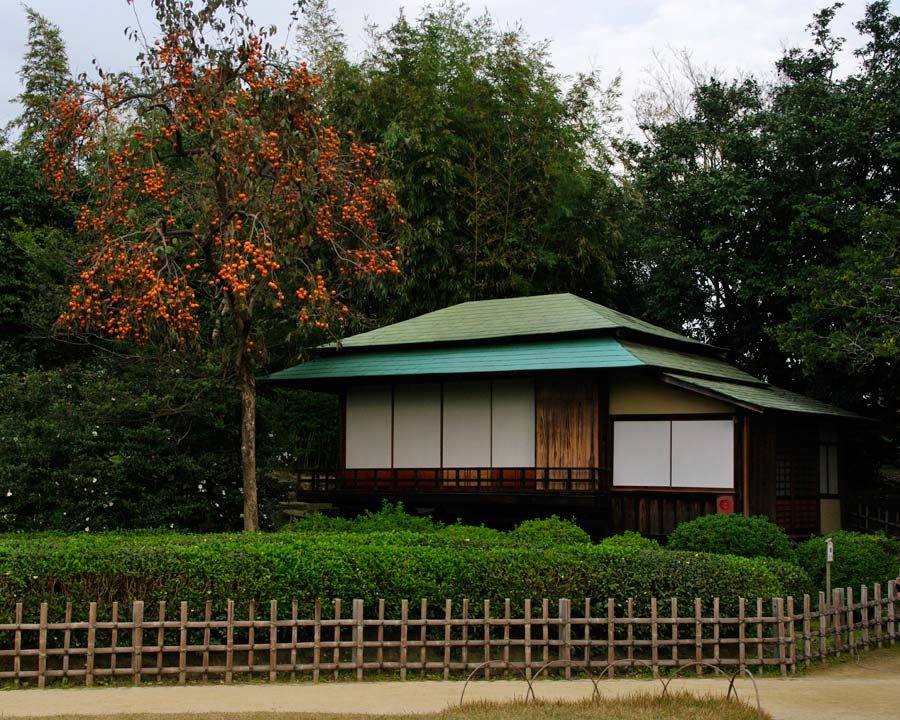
column 248, row 443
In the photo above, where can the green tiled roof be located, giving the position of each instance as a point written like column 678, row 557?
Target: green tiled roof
column 688, row 363
column 765, row 397
column 549, row 355
column 509, row 318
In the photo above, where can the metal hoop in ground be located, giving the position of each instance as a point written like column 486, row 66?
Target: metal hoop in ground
column 632, row 663
column 731, row 679
column 504, row 665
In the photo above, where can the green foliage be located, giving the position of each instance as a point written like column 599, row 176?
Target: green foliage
column 391, row 517
column 859, row 559
column 389, row 565
column 117, row 445
column 503, row 173
column 733, row 535
column 628, row 542
column 792, row 578
column 549, row 532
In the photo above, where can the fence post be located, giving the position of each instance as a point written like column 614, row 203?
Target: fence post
column 654, row 638
column 836, row 606
column 807, row 627
column 879, row 639
column 358, row 635
column 273, row 640
column 182, row 643
column 778, row 612
column 404, row 619
column 91, row 645
column 851, row 633
column 487, row 639
column 565, row 635
column 864, row 608
column 610, row 636
column 137, row 640
column 448, row 627
column 698, row 634
column 527, row 638
column 742, row 649
column 823, row 626
column 317, row 639
column 791, row 636
column 892, row 611
column 675, row 632
column 42, row 647
column 229, row 642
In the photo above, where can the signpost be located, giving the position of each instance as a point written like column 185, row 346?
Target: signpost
column 829, row 558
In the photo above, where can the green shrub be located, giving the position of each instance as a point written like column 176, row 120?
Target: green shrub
column 551, row 531
column 390, row 565
column 628, row 542
column 793, row 579
column 389, row 517
column 733, row 535
column 859, row 559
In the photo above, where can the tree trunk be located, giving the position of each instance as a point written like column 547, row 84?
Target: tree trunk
column 248, row 443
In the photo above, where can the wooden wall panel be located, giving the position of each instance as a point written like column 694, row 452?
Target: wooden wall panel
column 567, row 422
column 657, row 514
column 762, row 466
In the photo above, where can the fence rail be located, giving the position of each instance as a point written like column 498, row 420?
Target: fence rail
column 133, row 643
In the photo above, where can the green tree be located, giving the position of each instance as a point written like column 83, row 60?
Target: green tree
column 504, row 175
column 222, row 213
column 45, row 77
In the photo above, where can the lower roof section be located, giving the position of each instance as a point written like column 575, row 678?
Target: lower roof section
column 759, row 398
column 579, row 354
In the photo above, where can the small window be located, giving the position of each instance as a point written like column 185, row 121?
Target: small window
column 828, row 469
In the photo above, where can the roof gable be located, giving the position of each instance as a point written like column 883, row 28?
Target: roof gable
column 522, row 317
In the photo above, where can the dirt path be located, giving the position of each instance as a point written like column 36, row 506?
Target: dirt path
column 868, row 690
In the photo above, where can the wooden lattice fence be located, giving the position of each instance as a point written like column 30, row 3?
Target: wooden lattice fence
column 141, row 643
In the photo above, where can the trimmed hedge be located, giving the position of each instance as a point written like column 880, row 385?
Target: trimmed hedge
column 628, row 542
column 859, row 559
column 733, row 535
column 390, row 565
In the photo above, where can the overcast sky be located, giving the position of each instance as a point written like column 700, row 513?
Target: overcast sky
column 612, row 36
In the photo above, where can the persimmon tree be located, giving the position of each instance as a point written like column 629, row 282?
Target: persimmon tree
column 220, row 208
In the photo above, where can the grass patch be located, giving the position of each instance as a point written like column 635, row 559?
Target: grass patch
column 680, row 706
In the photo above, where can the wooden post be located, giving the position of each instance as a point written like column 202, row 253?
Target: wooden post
column 675, row 632
column 610, row 637
column 359, row 636
column 336, row 652
column 742, row 636
column 778, row 612
column 380, row 653
column 91, row 643
column 137, row 640
column 892, row 611
column 528, row 638
column 717, row 632
column 294, row 619
column 836, row 620
column 182, row 643
column 114, row 642
column 654, row 638
column 823, row 626
column 448, row 627
column 807, row 630
column 229, row 642
column 791, row 636
column 404, row 619
column 317, row 639
column 545, row 617
column 42, row 646
column 760, row 648
column 698, row 634
column 487, row 639
column 879, row 638
column 465, row 634
column 506, row 619
column 17, row 645
column 423, row 635
column 251, row 637
column 851, row 625
column 864, row 608
column 629, row 609
column 160, row 640
column 207, row 632
column 273, row 640
column 67, row 643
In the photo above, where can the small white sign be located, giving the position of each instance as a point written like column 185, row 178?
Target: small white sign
column 829, row 550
